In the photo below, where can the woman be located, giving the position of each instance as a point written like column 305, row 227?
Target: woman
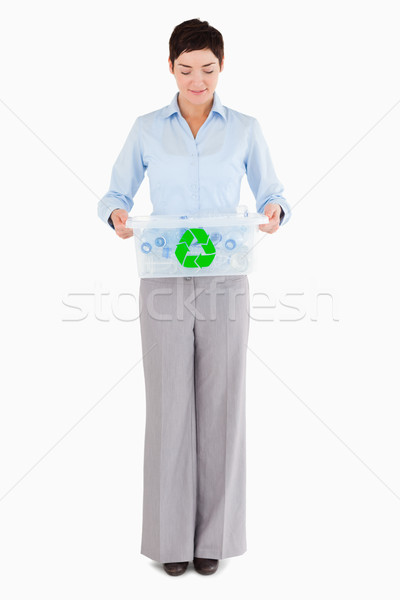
column 194, row 337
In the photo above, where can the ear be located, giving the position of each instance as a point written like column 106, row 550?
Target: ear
column 222, row 64
column 171, row 70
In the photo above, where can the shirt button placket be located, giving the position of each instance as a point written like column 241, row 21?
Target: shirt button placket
column 195, row 185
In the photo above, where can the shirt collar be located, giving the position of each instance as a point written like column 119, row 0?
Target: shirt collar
column 173, row 107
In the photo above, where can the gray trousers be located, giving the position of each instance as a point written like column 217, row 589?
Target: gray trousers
column 194, row 333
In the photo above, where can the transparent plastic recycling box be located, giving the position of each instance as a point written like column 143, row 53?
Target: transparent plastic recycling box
column 198, row 244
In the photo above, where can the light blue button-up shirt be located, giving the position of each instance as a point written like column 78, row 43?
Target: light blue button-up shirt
column 190, row 174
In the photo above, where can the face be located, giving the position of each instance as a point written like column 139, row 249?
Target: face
column 196, row 75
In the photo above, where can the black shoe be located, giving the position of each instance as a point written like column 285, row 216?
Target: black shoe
column 175, row 568
column 205, row 566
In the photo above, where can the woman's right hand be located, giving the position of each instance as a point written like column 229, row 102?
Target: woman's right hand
column 119, row 217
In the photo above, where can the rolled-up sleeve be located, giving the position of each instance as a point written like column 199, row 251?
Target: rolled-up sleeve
column 126, row 176
column 261, row 175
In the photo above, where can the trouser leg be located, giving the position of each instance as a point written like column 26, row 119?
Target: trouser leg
column 169, row 473
column 194, row 343
column 220, row 387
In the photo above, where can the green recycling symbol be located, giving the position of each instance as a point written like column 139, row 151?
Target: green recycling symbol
column 192, row 260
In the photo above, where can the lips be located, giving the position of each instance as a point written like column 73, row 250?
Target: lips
column 199, row 92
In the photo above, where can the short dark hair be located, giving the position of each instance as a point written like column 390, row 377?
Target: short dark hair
column 195, row 35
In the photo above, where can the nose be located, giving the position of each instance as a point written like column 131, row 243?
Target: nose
column 197, row 82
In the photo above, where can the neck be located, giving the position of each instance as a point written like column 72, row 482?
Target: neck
column 192, row 111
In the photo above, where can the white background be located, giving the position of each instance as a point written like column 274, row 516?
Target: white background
column 323, row 395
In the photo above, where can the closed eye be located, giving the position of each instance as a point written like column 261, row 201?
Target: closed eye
column 208, row 72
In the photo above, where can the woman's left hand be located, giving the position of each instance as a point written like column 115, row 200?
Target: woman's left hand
column 273, row 212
